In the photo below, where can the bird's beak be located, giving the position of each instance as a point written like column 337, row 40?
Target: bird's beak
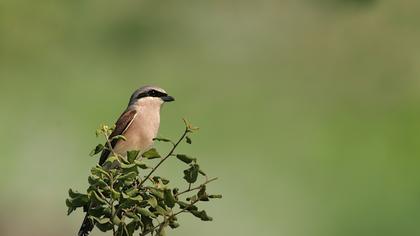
column 168, row 98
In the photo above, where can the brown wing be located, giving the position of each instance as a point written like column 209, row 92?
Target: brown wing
column 121, row 126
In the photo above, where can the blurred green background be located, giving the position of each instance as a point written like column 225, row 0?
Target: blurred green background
column 309, row 109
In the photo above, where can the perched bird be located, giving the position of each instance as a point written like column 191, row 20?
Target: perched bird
column 139, row 124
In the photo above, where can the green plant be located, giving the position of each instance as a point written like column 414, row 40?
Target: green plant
column 125, row 196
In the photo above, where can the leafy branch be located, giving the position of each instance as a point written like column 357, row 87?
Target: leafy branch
column 119, row 200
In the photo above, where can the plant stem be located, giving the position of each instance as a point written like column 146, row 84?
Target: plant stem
column 196, row 188
column 166, row 157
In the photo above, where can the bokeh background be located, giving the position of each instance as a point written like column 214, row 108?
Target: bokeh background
column 309, row 109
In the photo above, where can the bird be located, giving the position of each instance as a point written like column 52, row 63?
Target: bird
column 139, row 124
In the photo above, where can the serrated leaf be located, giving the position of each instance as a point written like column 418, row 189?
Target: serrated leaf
column 132, row 155
column 97, row 150
column 169, row 198
column 184, row 158
column 151, row 154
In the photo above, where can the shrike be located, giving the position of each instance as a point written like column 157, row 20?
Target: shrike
column 139, row 124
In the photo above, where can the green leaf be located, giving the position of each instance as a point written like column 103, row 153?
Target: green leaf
column 191, row 174
column 132, row 192
column 122, row 230
column 160, row 139
column 187, row 206
column 173, row 225
column 133, row 226
column 74, row 194
column 99, row 211
column 115, row 195
column 156, row 192
column 96, row 181
column 116, row 220
column 94, row 197
column 70, row 210
column 141, row 165
column 216, row 196
column 145, row 212
column 131, row 215
column 111, row 160
column 186, row 159
column 98, row 171
column 151, row 154
column 104, row 227
column 125, row 166
column 202, row 215
column 132, row 155
column 97, row 150
column 103, row 224
column 118, row 137
column 160, row 232
column 202, row 193
column 152, row 201
column 79, row 201
column 158, row 178
column 100, row 220
column 169, row 198
column 127, row 176
column 189, row 141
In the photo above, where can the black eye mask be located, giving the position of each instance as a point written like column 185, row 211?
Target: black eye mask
column 151, row 93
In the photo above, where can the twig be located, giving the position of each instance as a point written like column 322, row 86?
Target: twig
column 195, row 188
column 166, row 157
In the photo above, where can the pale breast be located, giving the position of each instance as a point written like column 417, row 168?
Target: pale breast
column 141, row 132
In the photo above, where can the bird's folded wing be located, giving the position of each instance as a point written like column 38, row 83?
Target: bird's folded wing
column 121, row 126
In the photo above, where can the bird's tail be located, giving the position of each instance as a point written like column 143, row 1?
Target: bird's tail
column 86, row 227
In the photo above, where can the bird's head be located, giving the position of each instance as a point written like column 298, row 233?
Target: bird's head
column 150, row 95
